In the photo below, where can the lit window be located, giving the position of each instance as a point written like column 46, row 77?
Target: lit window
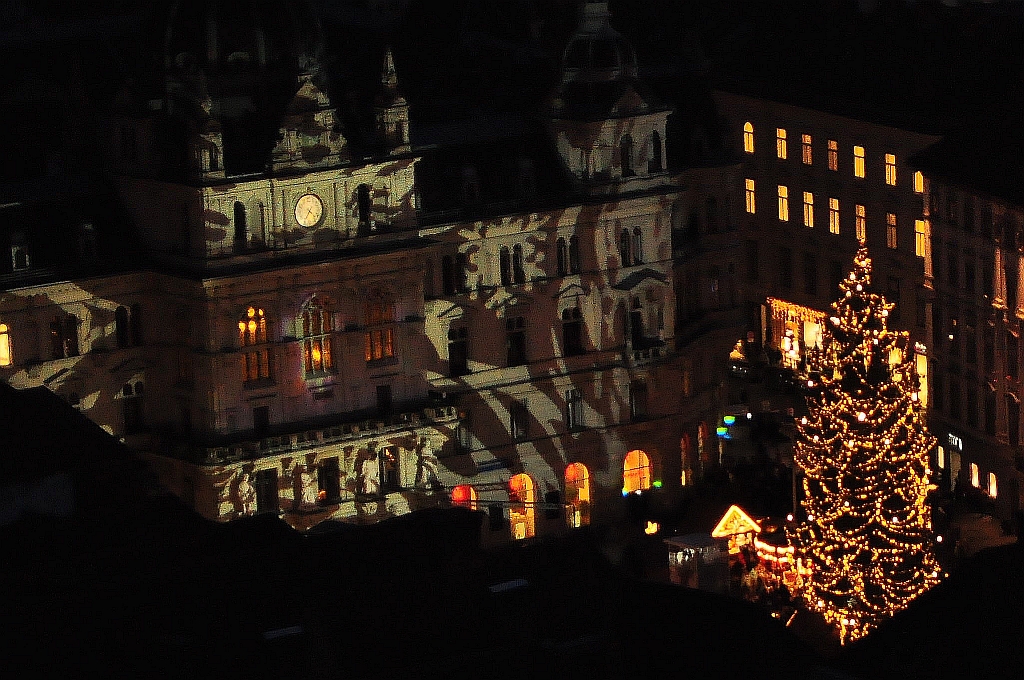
column 577, row 495
column 751, row 207
column 920, row 238
column 636, row 472
column 861, row 226
column 833, row 154
column 780, row 143
column 5, row 345
column 522, row 508
column 858, row 161
column 805, row 149
column 941, row 458
column 748, row 137
column 890, row 230
column 918, row 182
column 783, row 203
column 379, row 339
column 317, row 327
column 993, row 485
column 890, row 169
column 833, row 215
column 975, row 476
column 252, row 333
column 464, row 495
column 808, row 209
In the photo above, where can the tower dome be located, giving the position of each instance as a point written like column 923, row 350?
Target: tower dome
column 597, row 52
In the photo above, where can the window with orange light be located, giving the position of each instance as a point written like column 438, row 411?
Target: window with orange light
column 780, row 143
column 751, row 207
column 636, row 472
column 464, row 495
column 833, row 154
column 806, row 155
column 379, row 315
column 252, row 337
column 5, row 345
column 993, row 485
column 577, row 495
column 748, row 137
column 861, row 223
column 317, row 328
column 918, row 182
column 975, row 476
column 890, row 231
column 808, row 209
column 522, row 511
column 858, row 161
column 833, row 215
column 783, row 203
column 890, row 169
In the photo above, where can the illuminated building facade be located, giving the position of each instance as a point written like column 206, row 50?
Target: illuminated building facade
column 326, row 321
column 976, row 217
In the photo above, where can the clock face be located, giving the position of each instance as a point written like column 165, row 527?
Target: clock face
column 309, row 210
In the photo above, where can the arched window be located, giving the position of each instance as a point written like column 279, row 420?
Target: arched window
column 128, row 326
column 624, row 245
column 577, row 495
column 5, row 345
column 465, row 496
column 518, row 272
column 562, row 257
column 317, row 327
column 636, row 472
column 521, row 512
column 574, row 254
column 458, row 350
column 241, row 228
column 626, row 156
column 656, row 162
column 636, row 324
column 505, row 265
column 380, row 333
column 363, row 205
column 748, row 137
column 572, row 332
column 448, row 275
column 252, row 337
column 638, row 246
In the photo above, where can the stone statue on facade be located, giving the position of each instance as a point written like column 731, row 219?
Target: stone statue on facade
column 426, row 465
column 307, row 485
column 369, row 477
column 246, row 495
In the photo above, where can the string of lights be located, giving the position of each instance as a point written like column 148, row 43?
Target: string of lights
column 863, row 450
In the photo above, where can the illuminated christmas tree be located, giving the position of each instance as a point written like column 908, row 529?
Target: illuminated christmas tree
column 863, row 450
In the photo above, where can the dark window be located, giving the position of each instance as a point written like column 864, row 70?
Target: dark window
column 64, row 337
column 810, row 274
column 518, row 272
column 266, row 491
column 638, row 246
column 461, row 273
column 562, row 257
column 753, row 266
column 968, row 213
column 515, row 340
column 627, row 156
column 937, row 326
column 363, row 206
column 624, row 245
column 384, row 400
column 636, row 325
column 955, row 407
column 990, row 348
column 894, row 296
column 786, row 268
column 972, row 407
column 572, row 332
column 505, row 265
column 573, row 409
column 261, row 420
column 990, row 412
column 835, row 276
column 938, row 401
column 638, row 400
column 131, row 402
column 711, row 208
column 969, row 278
column 656, row 162
column 121, row 327
column 1012, row 356
column 136, row 324
column 328, row 477
column 574, row 254
column 241, row 228
column 952, row 266
column 519, row 420
column 458, row 351
column 970, row 337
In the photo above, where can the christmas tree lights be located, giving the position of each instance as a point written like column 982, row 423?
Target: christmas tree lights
column 863, row 450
